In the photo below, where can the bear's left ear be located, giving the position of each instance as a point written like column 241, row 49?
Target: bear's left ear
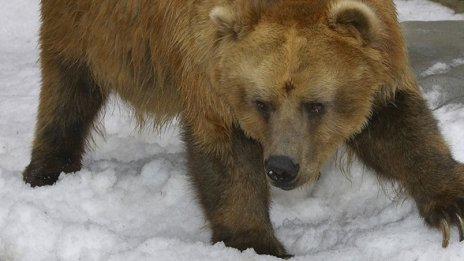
column 228, row 26
column 356, row 19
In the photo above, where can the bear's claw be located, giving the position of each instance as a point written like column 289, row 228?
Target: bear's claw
column 442, row 215
column 460, row 225
column 446, row 232
column 445, row 228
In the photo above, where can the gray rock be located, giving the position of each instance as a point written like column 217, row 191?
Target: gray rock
column 436, row 53
column 456, row 5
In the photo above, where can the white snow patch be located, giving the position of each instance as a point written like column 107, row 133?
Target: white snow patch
column 438, row 68
column 457, row 62
column 442, row 68
column 423, row 10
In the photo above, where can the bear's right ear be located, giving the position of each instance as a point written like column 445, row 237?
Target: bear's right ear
column 226, row 22
column 234, row 20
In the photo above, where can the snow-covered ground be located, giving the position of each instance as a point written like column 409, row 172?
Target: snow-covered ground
column 132, row 200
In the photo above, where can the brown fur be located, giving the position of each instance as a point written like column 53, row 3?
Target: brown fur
column 249, row 80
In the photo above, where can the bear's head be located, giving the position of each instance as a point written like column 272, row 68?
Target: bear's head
column 301, row 77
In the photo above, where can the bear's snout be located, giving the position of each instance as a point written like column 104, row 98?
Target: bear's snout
column 282, row 170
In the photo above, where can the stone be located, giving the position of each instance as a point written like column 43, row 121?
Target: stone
column 456, row 5
column 436, row 53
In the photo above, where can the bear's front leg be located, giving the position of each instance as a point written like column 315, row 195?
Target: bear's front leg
column 402, row 142
column 234, row 193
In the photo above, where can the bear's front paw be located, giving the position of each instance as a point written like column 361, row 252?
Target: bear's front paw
column 262, row 242
column 37, row 177
column 441, row 215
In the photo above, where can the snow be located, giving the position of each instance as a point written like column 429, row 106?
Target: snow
column 438, row 68
column 442, row 68
column 423, row 10
column 132, row 200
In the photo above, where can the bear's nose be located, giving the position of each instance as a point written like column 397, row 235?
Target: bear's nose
column 281, row 169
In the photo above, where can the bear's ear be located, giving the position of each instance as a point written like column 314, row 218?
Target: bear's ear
column 356, row 19
column 226, row 22
column 233, row 20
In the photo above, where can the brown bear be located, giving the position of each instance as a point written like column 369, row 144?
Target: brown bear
column 266, row 90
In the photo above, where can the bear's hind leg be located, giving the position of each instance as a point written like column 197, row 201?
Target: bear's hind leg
column 69, row 103
column 234, row 194
column 402, row 142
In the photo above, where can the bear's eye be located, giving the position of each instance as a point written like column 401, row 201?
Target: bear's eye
column 263, row 107
column 315, row 108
